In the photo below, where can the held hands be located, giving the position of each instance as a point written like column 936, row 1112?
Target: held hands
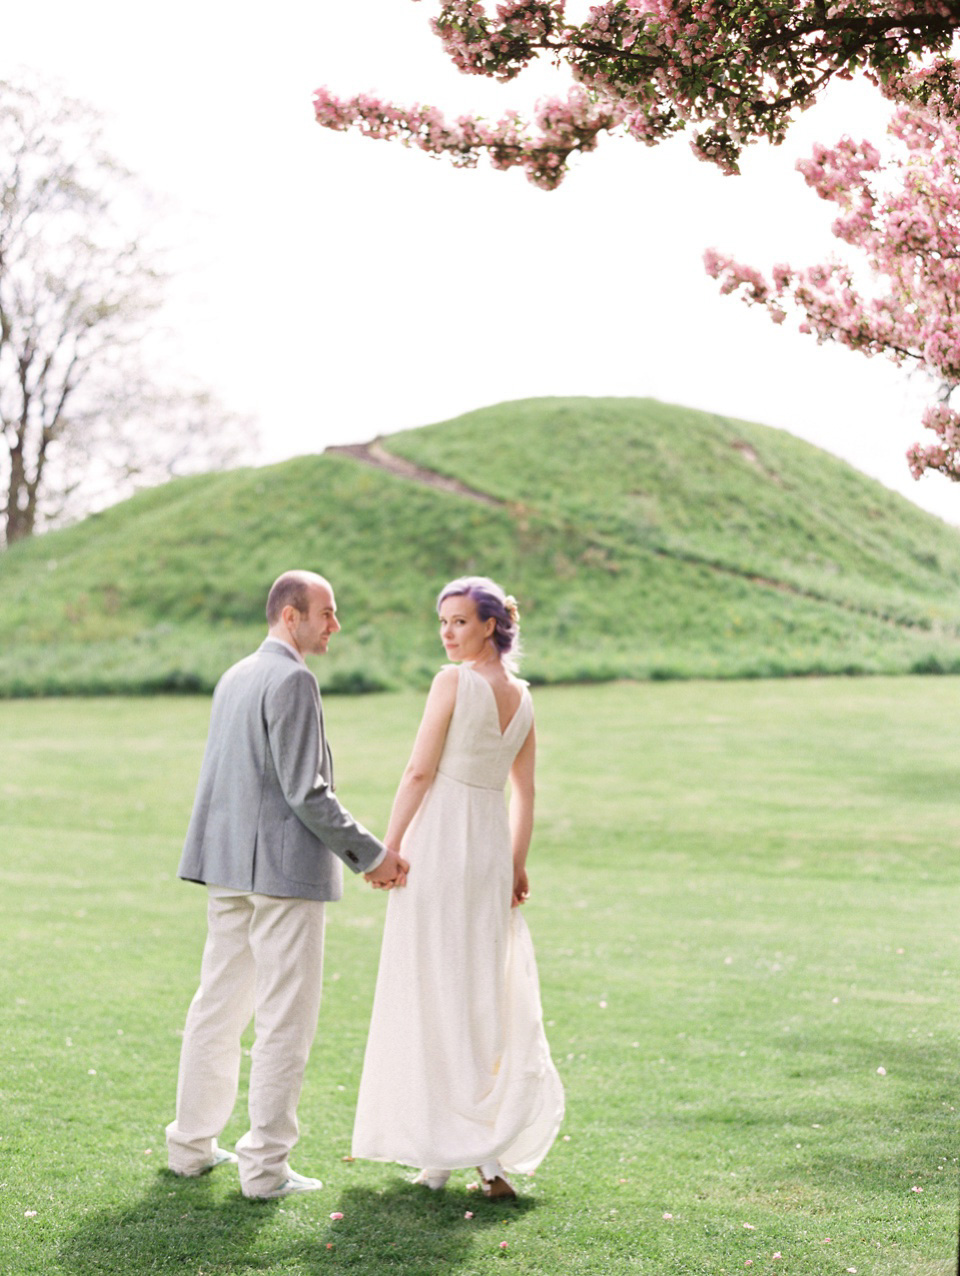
column 391, row 871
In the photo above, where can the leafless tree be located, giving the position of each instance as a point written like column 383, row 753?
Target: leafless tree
column 80, row 413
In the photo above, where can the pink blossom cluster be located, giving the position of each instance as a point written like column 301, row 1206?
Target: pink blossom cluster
column 943, row 456
column 903, row 215
column 564, row 126
column 731, row 72
column 501, row 49
column 935, row 85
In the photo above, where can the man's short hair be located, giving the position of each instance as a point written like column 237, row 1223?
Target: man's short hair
column 292, row 589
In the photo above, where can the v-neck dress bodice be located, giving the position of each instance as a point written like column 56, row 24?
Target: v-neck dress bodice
column 457, row 1070
column 476, row 751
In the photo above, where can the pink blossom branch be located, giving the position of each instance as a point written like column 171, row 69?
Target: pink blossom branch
column 732, row 72
column 564, row 127
column 903, row 216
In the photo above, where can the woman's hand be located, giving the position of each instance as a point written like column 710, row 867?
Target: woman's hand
column 521, row 887
column 391, row 871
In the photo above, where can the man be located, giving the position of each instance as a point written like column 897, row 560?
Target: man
column 265, row 831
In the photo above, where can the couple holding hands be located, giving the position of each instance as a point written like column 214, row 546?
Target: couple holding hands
column 457, row 1072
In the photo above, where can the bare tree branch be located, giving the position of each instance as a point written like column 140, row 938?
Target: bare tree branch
column 78, row 294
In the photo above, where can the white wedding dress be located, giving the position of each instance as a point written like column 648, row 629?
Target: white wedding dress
column 457, row 1071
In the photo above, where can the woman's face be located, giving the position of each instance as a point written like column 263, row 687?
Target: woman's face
column 462, row 632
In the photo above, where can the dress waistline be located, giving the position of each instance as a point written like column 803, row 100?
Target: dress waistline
column 484, row 788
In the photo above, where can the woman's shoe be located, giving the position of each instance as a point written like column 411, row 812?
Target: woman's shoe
column 494, row 1183
column 433, row 1179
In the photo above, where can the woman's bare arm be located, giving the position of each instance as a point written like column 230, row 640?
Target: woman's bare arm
column 521, row 814
column 422, row 767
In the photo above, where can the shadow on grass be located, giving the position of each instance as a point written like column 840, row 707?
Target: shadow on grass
column 177, row 1225
column 185, row 1227
column 405, row 1230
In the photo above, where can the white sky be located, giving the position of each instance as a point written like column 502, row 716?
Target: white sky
column 336, row 288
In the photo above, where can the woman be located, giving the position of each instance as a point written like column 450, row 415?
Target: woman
column 457, row 1071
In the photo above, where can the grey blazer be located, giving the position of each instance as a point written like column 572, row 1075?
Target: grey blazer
column 265, row 817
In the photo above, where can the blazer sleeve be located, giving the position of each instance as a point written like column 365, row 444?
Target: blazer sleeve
column 293, row 730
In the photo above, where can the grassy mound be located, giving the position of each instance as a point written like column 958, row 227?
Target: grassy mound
column 642, row 540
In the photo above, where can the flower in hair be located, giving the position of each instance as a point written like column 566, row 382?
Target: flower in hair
column 513, row 611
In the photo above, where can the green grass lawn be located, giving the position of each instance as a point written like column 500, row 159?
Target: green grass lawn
column 745, row 911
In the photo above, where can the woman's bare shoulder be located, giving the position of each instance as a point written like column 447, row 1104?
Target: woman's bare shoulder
column 444, row 685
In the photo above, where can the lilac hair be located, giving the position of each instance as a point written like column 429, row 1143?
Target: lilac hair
column 490, row 602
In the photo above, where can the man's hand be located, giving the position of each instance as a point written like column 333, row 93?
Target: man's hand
column 391, row 871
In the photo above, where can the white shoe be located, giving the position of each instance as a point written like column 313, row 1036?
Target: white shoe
column 294, row 1182
column 433, row 1179
column 220, row 1157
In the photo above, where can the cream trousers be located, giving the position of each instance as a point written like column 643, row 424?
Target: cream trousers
column 263, row 959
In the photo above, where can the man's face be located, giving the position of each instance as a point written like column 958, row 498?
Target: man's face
column 313, row 631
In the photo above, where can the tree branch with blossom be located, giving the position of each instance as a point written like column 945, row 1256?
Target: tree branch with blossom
column 731, row 72
column 903, row 216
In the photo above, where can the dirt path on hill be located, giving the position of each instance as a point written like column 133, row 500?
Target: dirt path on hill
column 373, row 453
column 376, row 455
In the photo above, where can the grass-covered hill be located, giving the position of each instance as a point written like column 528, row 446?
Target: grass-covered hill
column 642, row 540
